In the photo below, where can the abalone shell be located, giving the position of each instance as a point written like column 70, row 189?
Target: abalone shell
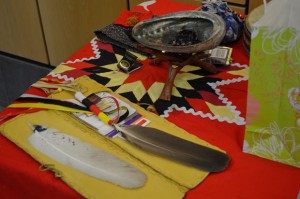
column 181, row 32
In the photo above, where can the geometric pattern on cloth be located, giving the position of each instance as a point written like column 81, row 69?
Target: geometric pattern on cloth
column 195, row 91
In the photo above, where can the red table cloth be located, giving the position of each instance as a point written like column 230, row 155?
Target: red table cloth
column 200, row 105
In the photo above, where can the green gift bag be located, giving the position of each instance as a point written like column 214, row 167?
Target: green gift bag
column 273, row 103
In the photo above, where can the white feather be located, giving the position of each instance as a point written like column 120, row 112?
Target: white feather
column 86, row 158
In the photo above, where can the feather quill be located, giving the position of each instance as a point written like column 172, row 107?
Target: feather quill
column 86, row 158
column 175, row 148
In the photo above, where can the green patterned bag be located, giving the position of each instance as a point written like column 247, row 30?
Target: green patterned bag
column 273, row 104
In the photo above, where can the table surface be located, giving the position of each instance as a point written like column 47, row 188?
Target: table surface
column 247, row 176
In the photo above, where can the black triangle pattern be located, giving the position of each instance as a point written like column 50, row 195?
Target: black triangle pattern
column 189, row 93
column 100, row 79
column 106, row 58
column 118, row 50
column 114, row 88
column 200, row 72
column 96, row 69
column 146, row 99
column 181, row 102
column 162, row 105
column 130, row 96
column 201, row 83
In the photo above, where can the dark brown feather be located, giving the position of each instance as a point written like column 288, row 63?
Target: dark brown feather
column 175, row 148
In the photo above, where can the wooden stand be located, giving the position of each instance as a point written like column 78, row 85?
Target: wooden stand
column 176, row 63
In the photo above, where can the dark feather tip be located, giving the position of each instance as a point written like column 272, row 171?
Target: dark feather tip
column 38, row 128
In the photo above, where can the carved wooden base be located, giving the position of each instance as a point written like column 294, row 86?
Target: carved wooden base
column 179, row 60
column 175, row 67
column 167, row 90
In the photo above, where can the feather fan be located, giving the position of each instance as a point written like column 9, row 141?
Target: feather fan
column 175, row 148
column 86, row 158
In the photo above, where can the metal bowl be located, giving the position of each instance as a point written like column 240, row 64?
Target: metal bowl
column 181, row 32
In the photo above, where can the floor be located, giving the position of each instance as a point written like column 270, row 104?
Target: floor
column 16, row 75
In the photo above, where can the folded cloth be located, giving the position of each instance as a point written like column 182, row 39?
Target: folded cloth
column 169, row 179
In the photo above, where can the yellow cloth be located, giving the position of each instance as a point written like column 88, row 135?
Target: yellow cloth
column 165, row 178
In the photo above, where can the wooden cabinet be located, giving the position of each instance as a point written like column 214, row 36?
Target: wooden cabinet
column 70, row 24
column 21, row 31
column 244, row 6
column 194, row 2
column 50, row 31
column 241, row 2
column 255, row 3
column 239, row 6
